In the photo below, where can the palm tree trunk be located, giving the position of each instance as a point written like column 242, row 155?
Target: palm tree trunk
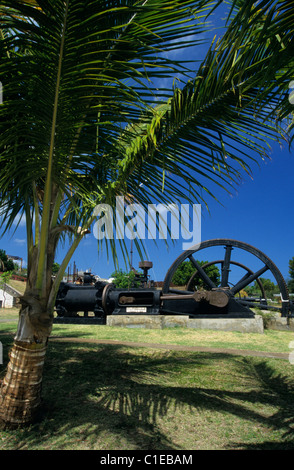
column 20, row 392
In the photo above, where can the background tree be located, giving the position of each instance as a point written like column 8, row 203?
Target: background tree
column 187, row 269
column 124, row 280
column 291, row 272
column 6, row 264
column 55, row 268
column 84, row 119
column 269, row 286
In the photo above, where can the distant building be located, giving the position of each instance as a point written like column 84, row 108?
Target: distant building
column 8, row 296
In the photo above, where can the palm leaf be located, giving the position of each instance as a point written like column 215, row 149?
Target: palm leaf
column 209, row 131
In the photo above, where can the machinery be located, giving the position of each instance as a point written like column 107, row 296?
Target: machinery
column 202, row 297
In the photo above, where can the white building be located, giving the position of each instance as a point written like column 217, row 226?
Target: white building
column 8, row 296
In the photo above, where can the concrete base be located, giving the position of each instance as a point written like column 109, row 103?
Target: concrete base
column 281, row 324
column 243, row 325
column 148, row 321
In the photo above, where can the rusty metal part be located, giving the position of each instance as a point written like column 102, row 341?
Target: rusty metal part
column 126, row 300
column 217, row 298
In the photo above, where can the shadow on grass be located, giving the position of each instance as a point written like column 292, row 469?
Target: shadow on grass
column 113, row 397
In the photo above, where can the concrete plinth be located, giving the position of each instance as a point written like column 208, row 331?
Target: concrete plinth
column 243, row 325
column 281, row 323
column 148, row 321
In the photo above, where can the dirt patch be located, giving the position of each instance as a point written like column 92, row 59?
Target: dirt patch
column 238, row 352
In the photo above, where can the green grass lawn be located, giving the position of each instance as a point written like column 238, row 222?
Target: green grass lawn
column 118, row 397
column 269, row 341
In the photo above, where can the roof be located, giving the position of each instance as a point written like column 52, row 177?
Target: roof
column 11, row 290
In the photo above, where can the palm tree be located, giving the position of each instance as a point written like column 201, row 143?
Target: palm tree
column 84, row 120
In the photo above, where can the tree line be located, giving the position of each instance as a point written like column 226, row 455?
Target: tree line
column 186, row 271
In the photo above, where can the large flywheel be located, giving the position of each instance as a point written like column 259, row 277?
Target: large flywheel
column 224, row 297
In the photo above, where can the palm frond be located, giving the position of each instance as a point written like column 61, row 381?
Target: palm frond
column 208, row 132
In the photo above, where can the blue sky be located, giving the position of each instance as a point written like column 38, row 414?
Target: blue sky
column 259, row 213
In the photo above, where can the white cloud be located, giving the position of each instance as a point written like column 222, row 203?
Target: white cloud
column 20, row 241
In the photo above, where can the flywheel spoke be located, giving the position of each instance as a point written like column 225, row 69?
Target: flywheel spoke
column 226, row 266
column 246, row 280
column 202, row 273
